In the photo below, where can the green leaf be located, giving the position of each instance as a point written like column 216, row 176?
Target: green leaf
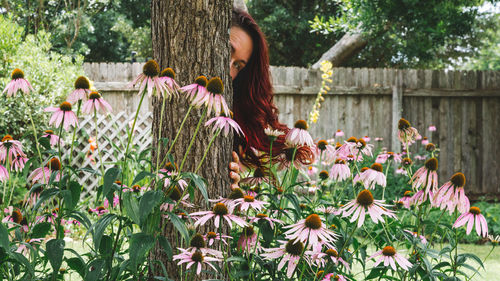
column 54, row 252
column 141, row 176
column 75, row 189
column 94, row 270
column 140, row 245
column 199, row 182
column 77, row 264
column 90, row 170
column 20, row 258
column 472, row 256
column 179, row 224
column 105, row 245
column 4, row 237
column 41, row 230
column 45, row 195
column 148, row 202
column 167, row 248
column 98, row 228
column 110, row 177
column 131, row 207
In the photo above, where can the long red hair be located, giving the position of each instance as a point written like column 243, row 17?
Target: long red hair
column 254, row 109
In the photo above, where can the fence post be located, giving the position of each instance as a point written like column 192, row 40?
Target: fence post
column 397, row 109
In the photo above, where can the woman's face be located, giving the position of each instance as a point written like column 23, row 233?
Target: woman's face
column 241, row 49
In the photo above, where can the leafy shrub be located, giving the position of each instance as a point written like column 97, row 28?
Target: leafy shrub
column 50, row 73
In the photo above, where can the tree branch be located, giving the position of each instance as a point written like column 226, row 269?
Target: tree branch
column 347, row 47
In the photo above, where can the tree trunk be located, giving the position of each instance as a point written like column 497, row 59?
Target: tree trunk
column 347, row 47
column 192, row 37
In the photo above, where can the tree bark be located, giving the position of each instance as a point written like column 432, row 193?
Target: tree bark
column 347, row 47
column 192, row 37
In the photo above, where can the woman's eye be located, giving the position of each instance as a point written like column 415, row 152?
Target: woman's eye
column 237, row 66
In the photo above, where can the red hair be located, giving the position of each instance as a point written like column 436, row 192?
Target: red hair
column 253, row 105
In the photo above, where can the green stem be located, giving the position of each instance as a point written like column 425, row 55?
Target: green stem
column 206, row 150
column 347, row 241
column 192, row 139
column 130, row 134
column 97, row 143
column 35, row 135
column 386, row 172
column 177, row 135
column 479, row 267
column 5, row 182
column 159, row 136
column 270, row 161
column 74, row 133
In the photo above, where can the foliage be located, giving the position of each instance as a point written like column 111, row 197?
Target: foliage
column 283, row 201
column 102, row 30
column 488, row 56
column 407, row 34
column 52, row 75
column 287, row 32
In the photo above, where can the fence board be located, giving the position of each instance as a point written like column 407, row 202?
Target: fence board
column 463, row 105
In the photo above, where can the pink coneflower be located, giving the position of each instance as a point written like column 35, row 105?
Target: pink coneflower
column 53, row 138
column 174, row 193
column 197, row 243
column 290, row 252
column 4, row 175
column 219, row 212
column 383, row 157
column 248, row 239
column 339, row 133
column 426, row 176
column 362, row 147
column 235, row 193
column 425, row 141
column 390, row 257
column 149, row 78
column 334, row 277
column 53, row 166
column 18, row 163
column 225, row 124
column 326, row 152
column 373, row 175
column 10, row 148
column 197, row 90
column 167, row 76
column 100, row 210
column 265, row 217
column 416, row 235
column 82, row 89
column 63, row 112
column 211, row 237
column 299, row 135
column 406, row 133
column 379, row 139
column 249, row 201
column 365, row 203
column 197, row 259
column 340, row 170
column 211, row 98
column 17, row 83
column 406, row 200
column 452, row 195
column 320, row 257
column 311, row 229
column 366, row 138
column 473, row 216
column 15, row 216
column 432, row 128
column 97, row 103
column 419, row 197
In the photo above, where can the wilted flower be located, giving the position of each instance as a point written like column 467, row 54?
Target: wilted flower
column 406, row 133
column 17, row 83
column 473, row 216
column 273, row 134
column 390, row 257
column 63, row 113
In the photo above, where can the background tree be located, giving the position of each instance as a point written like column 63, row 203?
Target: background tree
column 388, row 33
column 192, row 37
column 285, row 24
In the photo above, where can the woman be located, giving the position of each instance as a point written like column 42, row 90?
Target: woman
column 253, row 106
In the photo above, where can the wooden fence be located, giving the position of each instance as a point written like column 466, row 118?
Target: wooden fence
column 463, row 105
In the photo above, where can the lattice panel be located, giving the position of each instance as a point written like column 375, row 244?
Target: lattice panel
column 112, row 128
